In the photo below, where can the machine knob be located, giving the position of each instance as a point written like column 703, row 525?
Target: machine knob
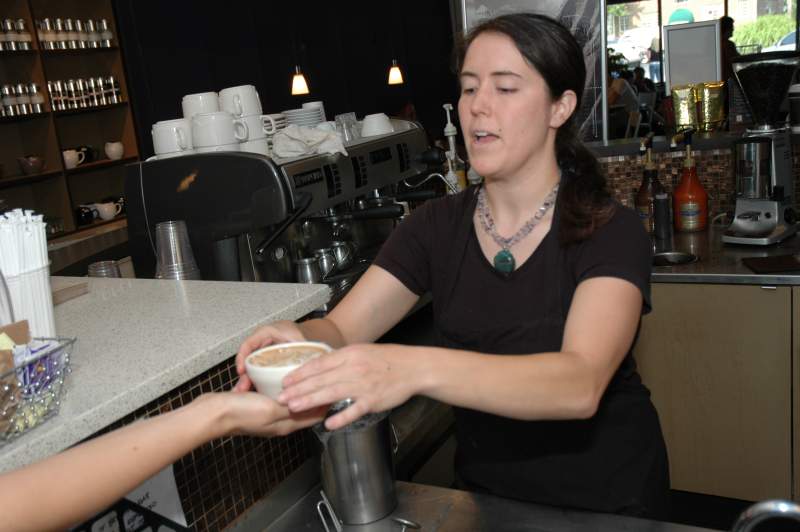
column 432, row 157
column 789, row 216
column 767, row 215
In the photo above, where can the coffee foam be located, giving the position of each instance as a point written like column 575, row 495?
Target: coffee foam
column 286, row 356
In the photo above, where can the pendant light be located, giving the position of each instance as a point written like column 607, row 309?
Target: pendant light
column 395, row 75
column 299, row 85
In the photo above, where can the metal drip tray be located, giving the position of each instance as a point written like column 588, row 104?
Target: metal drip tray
column 673, row 258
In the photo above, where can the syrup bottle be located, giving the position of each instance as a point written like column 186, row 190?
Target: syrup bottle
column 645, row 196
column 690, row 200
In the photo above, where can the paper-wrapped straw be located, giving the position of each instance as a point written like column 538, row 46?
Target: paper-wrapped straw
column 25, row 266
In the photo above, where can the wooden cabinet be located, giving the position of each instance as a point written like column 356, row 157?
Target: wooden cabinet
column 718, row 361
column 56, row 191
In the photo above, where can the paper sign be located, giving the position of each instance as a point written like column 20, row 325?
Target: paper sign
column 159, row 494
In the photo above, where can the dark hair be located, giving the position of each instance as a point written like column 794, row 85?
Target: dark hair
column 640, row 70
column 584, row 201
column 726, row 24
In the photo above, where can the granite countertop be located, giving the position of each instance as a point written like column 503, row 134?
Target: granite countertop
column 720, row 263
column 447, row 510
column 140, row 338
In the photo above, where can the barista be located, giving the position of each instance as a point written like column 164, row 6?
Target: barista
column 538, row 281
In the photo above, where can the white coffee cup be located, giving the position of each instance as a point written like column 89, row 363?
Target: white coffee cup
column 255, row 127
column 316, row 105
column 376, row 124
column 256, row 146
column 268, row 379
column 220, row 147
column 171, row 136
column 240, row 101
column 217, row 129
column 106, row 211
column 114, row 150
column 198, row 103
column 270, row 122
column 73, row 158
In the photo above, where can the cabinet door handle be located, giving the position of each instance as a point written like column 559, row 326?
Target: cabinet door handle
column 769, row 287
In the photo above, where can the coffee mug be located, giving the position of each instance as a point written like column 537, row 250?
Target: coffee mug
column 255, row 127
column 270, row 123
column 89, row 153
column 256, row 146
column 84, row 215
column 114, row 150
column 217, row 129
column 106, row 211
column 376, row 124
column 240, row 101
column 171, row 136
column 201, row 102
column 73, row 158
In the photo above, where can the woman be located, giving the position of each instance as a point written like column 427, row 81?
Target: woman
column 566, row 420
column 79, row 482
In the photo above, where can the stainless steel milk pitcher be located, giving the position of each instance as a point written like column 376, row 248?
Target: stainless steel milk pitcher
column 357, row 467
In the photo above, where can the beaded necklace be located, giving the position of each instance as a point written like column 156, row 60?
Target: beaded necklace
column 504, row 261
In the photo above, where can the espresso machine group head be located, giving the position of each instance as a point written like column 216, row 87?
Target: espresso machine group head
column 765, row 193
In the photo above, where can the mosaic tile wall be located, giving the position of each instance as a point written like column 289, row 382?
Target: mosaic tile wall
column 218, row 481
column 714, row 168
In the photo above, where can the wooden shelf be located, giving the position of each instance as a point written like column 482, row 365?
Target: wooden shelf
column 90, row 109
column 22, row 118
column 86, row 227
column 77, row 51
column 12, row 181
column 102, row 163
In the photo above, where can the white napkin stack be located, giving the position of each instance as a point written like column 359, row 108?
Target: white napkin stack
column 295, row 141
column 25, row 266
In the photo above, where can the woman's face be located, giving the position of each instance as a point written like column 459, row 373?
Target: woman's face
column 505, row 108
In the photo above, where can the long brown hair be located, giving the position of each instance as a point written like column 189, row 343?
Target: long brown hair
column 585, row 203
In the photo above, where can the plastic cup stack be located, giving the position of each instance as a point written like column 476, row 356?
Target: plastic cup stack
column 25, row 269
column 174, row 256
column 104, row 268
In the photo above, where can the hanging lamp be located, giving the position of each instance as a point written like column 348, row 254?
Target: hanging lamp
column 299, row 85
column 395, row 75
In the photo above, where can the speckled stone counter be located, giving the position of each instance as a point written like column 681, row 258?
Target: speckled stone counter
column 140, row 338
column 721, row 263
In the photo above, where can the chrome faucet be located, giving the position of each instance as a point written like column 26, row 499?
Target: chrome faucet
column 761, row 511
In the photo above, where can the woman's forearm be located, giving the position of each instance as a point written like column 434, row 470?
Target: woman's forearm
column 322, row 330
column 89, row 477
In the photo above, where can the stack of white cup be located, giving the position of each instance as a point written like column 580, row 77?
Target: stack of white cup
column 213, row 129
column 244, row 105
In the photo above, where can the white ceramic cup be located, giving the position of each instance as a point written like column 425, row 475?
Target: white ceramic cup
column 114, row 150
column 73, row 158
column 268, row 380
column 270, row 122
column 255, row 127
column 217, row 129
column 201, row 102
column 376, row 124
column 316, row 105
column 240, row 101
column 221, row 147
column 106, row 211
column 256, row 146
column 170, row 136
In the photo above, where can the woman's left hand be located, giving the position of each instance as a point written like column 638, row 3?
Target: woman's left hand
column 376, row 376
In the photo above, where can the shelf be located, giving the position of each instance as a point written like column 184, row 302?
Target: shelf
column 11, row 53
column 22, row 118
column 90, row 109
column 81, row 228
column 77, row 51
column 102, row 163
column 12, row 181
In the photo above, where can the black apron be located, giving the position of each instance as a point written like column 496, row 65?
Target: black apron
column 614, row 462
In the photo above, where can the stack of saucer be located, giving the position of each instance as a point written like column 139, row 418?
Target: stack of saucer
column 271, row 125
column 308, row 117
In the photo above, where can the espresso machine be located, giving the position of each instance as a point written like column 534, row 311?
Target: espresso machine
column 764, row 211
column 255, row 218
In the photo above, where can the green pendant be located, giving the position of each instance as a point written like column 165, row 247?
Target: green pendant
column 504, row 261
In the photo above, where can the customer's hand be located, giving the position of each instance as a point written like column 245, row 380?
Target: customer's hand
column 376, row 376
column 274, row 333
column 257, row 415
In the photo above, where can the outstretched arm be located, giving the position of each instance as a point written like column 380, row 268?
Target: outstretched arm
column 71, row 486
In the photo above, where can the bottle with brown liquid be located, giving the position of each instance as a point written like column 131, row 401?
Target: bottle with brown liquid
column 645, row 196
column 690, row 200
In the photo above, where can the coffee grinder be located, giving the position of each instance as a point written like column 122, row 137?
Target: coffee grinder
column 764, row 211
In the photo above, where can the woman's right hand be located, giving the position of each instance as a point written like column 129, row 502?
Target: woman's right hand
column 274, row 333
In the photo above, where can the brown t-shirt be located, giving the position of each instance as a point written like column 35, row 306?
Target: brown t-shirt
column 613, row 462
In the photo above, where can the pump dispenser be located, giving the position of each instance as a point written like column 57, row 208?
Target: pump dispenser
column 456, row 168
column 645, row 196
column 690, row 200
